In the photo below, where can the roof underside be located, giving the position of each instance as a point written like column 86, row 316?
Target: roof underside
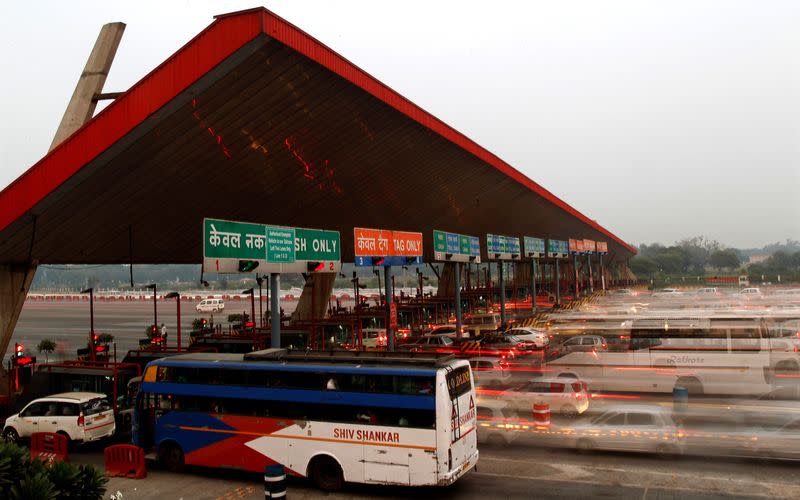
column 254, row 120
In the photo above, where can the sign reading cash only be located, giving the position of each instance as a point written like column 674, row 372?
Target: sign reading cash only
column 237, row 247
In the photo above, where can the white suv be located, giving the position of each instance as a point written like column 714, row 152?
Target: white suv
column 210, row 306
column 80, row 416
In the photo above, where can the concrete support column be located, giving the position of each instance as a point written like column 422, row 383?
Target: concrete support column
column 275, row 306
column 533, row 285
column 83, row 102
column 457, row 290
column 316, row 292
column 501, row 284
column 558, row 283
column 387, row 286
column 15, row 281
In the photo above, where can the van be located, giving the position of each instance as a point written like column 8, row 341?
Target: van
column 210, row 306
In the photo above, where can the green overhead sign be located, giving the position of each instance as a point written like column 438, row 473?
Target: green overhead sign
column 276, row 249
column 454, row 247
column 534, row 247
column 499, row 247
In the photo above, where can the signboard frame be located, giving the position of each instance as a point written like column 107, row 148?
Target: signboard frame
column 455, row 247
column 284, row 252
column 502, row 247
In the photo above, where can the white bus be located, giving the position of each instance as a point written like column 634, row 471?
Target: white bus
column 335, row 417
column 725, row 356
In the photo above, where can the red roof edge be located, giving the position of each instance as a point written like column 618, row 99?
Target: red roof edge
column 196, row 58
column 292, row 36
column 220, row 39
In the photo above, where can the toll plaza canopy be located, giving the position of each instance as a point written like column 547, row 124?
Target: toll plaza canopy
column 255, row 120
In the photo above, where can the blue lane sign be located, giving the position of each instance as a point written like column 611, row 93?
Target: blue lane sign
column 499, row 247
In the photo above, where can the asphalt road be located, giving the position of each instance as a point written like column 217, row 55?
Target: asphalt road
column 515, row 471
column 67, row 323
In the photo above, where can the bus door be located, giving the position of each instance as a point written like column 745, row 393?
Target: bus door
column 144, row 422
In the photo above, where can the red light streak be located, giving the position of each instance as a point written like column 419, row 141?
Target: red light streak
column 613, row 396
column 324, row 172
column 203, row 124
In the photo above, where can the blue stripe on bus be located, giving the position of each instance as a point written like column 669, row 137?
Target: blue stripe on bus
column 421, row 402
column 168, row 427
column 294, row 367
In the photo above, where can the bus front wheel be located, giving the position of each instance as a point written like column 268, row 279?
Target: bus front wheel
column 326, row 473
column 171, row 457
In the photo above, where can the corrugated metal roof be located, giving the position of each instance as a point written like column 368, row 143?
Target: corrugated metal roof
column 255, row 120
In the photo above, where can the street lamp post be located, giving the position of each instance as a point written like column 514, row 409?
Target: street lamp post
column 155, row 307
column 90, row 291
column 177, row 297
column 252, row 307
column 260, row 280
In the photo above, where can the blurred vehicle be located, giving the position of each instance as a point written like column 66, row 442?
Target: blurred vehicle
column 501, row 341
column 79, row 416
column 536, row 337
column 744, row 281
column 790, row 291
column 751, row 292
column 722, row 355
column 567, row 396
column 448, row 330
column 642, row 428
column 477, row 324
column 210, row 306
column 624, row 291
column 584, row 343
column 488, row 371
column 373, row 337
column 777, row 442
column 707, row 291
column 497, row 426
column 427, row 343
column 668, row 292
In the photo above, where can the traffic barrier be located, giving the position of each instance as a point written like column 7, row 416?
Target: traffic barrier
column 125, row 460
column 274, row 481
column 49, row 446
column 541, row 413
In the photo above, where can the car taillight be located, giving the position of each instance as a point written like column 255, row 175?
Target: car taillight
column 81, row 420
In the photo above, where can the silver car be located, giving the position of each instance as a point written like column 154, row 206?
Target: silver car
column 584, row 343
column 642, row 428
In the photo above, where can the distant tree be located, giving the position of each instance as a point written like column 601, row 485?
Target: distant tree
column 46, row 347
column 724, row 259
column 643, row 266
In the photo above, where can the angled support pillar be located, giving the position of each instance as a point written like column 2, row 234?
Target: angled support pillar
column 314, row 298
column 15, row 281
column 90, row 84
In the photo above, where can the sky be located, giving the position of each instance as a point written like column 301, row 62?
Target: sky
column 659, row 120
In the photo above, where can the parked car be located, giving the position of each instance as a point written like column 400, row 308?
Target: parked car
column 668, row 292
column 79, row 416
column 477, row 324
column 373, row 337
column 643, row 428
column 502, row 341
column 210, row 306
column 565, row 395
column 536, row 337
column 584, row 343
column 707, row 291
column 428, row 343
column 488, row 371
column 448, row 330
